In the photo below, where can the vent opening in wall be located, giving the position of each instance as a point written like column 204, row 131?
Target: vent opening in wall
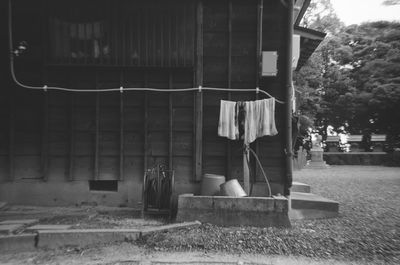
column 103, row 185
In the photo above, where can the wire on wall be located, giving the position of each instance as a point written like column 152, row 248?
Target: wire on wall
column 120, row 89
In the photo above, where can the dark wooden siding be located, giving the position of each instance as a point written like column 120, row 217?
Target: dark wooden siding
column 82, row 136
column 230, row 56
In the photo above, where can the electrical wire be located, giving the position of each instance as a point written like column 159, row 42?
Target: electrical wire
column 120, row 89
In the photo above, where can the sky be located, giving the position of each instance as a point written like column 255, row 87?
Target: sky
column 358, row 11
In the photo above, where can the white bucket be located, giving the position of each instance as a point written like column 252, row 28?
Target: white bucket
column 210, row 184
column 232, row 188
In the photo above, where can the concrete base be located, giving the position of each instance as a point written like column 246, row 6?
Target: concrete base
column 51, row 239
column 317, row 161
column 316, row 165
column 311, row 206
column 234, row 211
column 82, row 238
column 8, row 229
column 63, row 193
column 356, row 158
column 38, row 227
column 21, row 221
column 300, row 187
column 17, row 243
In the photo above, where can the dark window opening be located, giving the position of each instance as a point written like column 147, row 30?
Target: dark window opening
column 130, row 33
column 103, row 185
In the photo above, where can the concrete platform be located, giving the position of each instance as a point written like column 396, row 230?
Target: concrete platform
column 356, row 158
column 47, row 227
column 317, row 165
column 87, row 237
column 17, row 243
column 234, row 211
column 8, row 229
column 19, row 221
column 300, row 187
column 84, row 237
column 312, row 206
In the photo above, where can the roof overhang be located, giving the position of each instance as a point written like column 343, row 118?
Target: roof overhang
column 299, row 9
column 309, row 41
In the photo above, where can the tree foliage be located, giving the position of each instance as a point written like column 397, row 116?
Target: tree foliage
column 391, row 2
column 354, row 76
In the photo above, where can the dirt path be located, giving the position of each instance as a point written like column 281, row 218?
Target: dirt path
column 126, row 253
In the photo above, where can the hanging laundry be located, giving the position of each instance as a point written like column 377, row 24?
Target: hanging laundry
column 228, row 122
column 259, row 119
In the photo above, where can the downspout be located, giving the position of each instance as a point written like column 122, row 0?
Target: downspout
column 289, row 96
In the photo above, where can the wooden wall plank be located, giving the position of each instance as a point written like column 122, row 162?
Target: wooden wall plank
column 170, row 114
column 145, row 126
column 70, row 172
column 45, row 136
column 11, row 135
column 198, row 156
column 121, row 137
column 97, row 137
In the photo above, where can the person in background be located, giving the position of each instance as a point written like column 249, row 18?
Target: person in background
column 366, row 140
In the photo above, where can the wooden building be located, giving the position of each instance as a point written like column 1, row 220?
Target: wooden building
column 63, row 147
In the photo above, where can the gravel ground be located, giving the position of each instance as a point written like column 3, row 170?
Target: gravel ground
column 82, row 217
column 367, row 229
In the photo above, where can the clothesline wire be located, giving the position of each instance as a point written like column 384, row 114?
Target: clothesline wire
column 120, row 89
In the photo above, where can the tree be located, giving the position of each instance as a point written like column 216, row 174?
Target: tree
column 391, row 2
column 354, row 76
column 321, row 16
column 376, row 72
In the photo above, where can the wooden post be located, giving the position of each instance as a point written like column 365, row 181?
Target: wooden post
column 260, row 11
column 198, row 159
column 289, row 92
column 260, row 8
column 228, row 142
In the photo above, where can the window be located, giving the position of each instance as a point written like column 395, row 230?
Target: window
column 125, row 33
column 103, row 185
